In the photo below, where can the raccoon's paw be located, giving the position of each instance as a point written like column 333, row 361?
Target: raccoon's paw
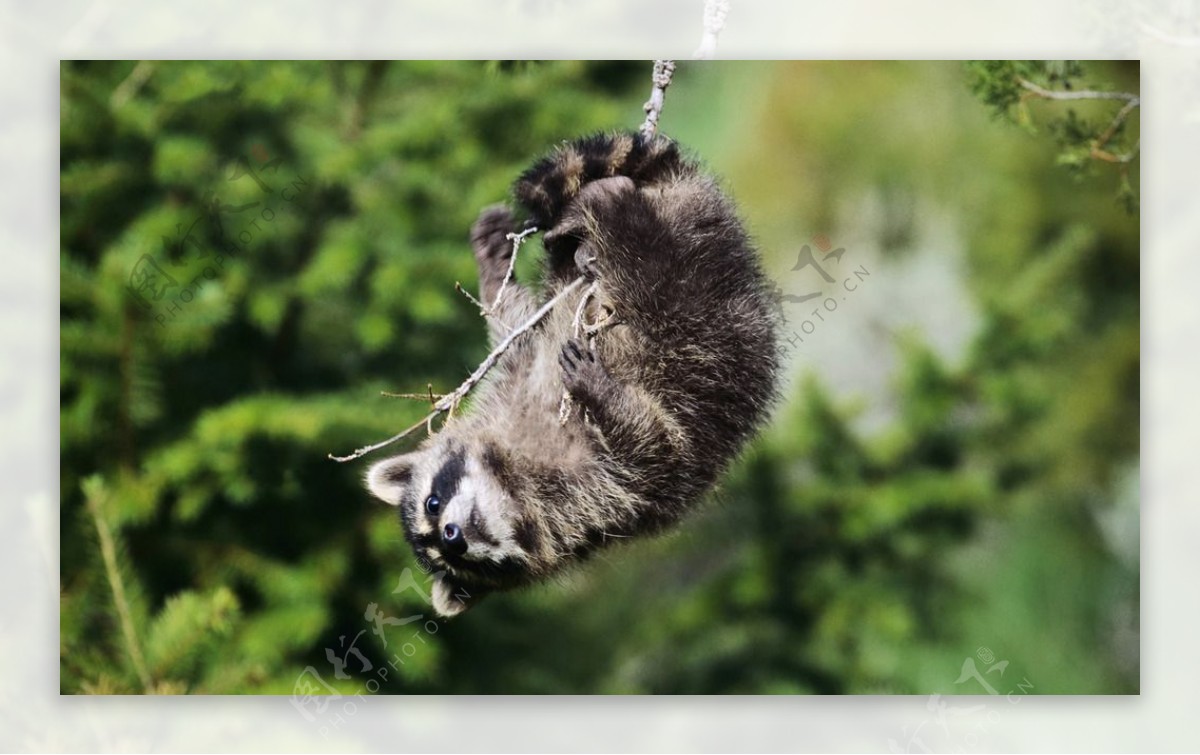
column 584, row 376
column 489, row 236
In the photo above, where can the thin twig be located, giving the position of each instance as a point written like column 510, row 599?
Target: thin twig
column 359, row 452
column 715, row 12
column 592, row 328
column 565, row 402
column 483, row 310
column 431, row 397
column 450, row 401
column 109, row 553
column 1109, row 157
column 583, row 302
column 517, row 239
column 459, row 288
column 663, row 70
column 1122, row 114
column 446, row 402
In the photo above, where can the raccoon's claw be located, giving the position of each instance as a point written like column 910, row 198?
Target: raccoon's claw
column 583, row 374
column 574, row 354
column 489, row 235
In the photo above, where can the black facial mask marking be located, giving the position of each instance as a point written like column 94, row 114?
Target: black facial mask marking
column 445, row 482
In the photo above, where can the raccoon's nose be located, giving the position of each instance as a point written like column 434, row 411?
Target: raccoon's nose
column 454, row 540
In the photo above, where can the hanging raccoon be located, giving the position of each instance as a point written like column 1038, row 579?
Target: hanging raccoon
column 662, row 399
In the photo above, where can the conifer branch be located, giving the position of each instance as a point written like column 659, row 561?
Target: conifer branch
column 108, row 552
column 1098, row 151
column 136, row 79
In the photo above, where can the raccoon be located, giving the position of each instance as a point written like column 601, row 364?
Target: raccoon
column 662, row 400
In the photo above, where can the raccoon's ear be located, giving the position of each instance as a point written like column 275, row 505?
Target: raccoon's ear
column 389, row 479
column 450, row 598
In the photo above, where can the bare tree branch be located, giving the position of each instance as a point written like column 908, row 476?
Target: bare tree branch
column 1109, row 157
column 517, row 239
column 1109, row 132
column 431, row 397
column 663, row 70
column 483, row 310
column 564, row 403
column 108, row 552
column 450, row 401
column 1098, row 151
column 1086, row 94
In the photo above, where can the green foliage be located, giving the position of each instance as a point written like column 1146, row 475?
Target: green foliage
column 998, row 82
column 309, row 220
column 838, row 556
column 189, row 629
column 1107, row 136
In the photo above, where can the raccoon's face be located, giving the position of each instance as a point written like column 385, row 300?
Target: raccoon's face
column 458, row 519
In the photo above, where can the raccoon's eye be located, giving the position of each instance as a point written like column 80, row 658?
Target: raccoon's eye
column 433, row 505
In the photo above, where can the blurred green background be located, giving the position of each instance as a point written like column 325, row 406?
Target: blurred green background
column 952, row 475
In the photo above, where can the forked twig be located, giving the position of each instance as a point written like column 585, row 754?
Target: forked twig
column 483, row 310
column 589, row 331
column 1098, row 151
column 431, row 397
column 450, row 401
column 517, row 239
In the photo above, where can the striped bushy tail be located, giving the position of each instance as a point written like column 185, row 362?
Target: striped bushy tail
column 552, row 182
